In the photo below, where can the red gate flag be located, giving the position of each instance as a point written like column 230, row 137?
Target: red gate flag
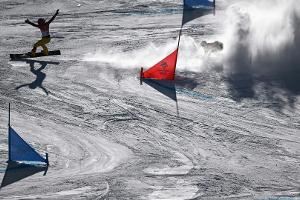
column 164, row 70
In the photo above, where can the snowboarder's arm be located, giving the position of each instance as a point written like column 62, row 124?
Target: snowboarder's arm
column 29, row 22
column 53, row 17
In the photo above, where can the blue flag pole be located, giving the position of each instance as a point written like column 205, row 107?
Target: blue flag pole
column 9, row 139
column 9, row 114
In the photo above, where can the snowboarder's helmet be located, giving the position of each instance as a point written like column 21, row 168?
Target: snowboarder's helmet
column 203, row 43
column 41, row 21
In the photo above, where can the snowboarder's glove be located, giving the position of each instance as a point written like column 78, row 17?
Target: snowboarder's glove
column 57, row 11
column 27, row 21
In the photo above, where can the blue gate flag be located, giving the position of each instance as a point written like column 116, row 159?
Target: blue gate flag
column 196, row 8
column 19, row 150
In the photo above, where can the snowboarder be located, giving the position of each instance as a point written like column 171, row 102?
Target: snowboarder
column 212, row 47
column 44, row 27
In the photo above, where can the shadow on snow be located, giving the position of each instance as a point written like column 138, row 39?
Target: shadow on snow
column 18, row 171
column 40, row 76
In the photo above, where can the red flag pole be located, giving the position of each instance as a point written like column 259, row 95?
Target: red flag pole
column 178, row 47
column 179, row 35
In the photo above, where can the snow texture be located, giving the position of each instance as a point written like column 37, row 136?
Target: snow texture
column 234, row 132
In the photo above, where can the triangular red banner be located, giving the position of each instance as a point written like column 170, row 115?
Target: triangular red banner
column 164, row 70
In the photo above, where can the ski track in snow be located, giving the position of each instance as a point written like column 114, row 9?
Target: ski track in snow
column 108, row 137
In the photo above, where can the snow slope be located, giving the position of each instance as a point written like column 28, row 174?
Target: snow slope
column 233, row 135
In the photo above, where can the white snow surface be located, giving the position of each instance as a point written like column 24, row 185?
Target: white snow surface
column 233, row 134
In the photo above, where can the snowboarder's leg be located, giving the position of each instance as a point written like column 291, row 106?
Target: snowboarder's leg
column 45, row 41
column 42, row 42
column 45, row 50
column 33, row 50
column 35, row 46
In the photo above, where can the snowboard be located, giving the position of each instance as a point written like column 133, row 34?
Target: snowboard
column 38, row 54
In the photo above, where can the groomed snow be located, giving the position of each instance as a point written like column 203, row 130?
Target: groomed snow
column 233, row 135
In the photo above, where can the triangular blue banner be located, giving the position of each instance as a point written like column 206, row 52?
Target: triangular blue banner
column 19, row 150
column 196, row 8
column 198, row 3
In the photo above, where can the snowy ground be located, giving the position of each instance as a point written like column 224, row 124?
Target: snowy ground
column 108, row 137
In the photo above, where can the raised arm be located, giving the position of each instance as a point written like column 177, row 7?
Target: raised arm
column 56, row 13
column 29, row 22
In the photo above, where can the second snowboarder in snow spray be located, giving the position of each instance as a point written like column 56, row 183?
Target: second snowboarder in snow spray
column 44, row 27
